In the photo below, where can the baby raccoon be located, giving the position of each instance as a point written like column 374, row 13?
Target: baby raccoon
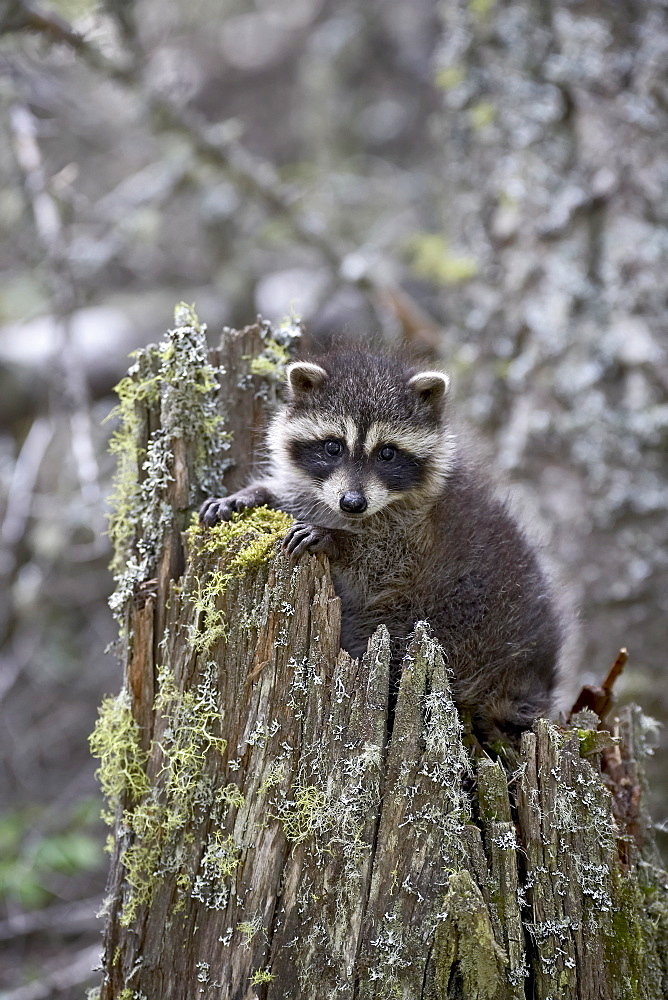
column 362, row 456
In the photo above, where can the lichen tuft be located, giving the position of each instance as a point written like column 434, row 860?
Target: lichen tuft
column 304, row 814
column 115, row 742
column 261, row 976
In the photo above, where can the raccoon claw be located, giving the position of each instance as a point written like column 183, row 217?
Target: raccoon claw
column 217, row 509
column 303, row 538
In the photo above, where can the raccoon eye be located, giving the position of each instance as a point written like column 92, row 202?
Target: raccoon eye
column 387, row 453
column 333, row 447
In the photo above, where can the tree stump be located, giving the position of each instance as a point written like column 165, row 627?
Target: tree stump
column 270, row 840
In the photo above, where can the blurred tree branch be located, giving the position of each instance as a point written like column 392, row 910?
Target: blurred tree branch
column 219, row 145
column 19, row 16
column 63, row 293
column 78, row 971
column 67, row 918
column 17, row 510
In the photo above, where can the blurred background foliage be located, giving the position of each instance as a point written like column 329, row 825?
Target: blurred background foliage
column 488, row 180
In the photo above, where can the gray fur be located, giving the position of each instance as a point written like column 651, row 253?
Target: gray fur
column 446, row 551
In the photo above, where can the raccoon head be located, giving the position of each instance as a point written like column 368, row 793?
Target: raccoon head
column 360, row 433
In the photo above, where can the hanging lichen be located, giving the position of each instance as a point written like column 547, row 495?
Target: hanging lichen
column 115, row 742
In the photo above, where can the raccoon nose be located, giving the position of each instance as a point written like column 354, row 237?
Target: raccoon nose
column 353, row 502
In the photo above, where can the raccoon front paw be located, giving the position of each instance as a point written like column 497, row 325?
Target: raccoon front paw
column 308, row 538
column 217, row 509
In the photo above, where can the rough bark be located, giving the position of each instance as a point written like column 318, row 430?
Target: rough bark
column 553, row 143
column 271, row 841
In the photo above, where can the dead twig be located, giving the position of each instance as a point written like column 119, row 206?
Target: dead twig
column 601, row 699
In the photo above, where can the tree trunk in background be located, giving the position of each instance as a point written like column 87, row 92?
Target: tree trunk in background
column 554, row 139
column 270, row 841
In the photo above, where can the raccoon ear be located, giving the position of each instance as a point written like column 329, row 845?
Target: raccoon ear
column 304, row 376
column 431, row 387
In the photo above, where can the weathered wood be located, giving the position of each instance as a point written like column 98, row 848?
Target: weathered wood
column 271, row 839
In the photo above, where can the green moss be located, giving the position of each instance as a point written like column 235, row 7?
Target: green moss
column 630, row 939
column 245, row 542
column 593, row 741
column 464, row 943
column 115, row 742
column 249, row 537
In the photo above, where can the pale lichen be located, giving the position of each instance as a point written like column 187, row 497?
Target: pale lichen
column 278, row 344
column 304, row 814
column 271, row 361
column 140, row 860
column 177, row 381
column 249, row 928
column 275, row 776
column 192, row 731
column 231, row 795
column 217, row 867
column 209, row 622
